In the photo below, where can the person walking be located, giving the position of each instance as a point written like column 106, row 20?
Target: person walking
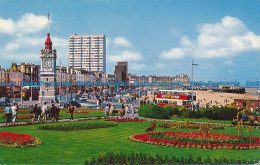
column 57, row 113
column 71, row 110
column 14, row 111
column 111, row 109
column 44, row 112
column 132, row 109
column 38, row 114
column 35, row 109
column 106, row 110
column 8, row 113
column 52, row 113
column 127, row 109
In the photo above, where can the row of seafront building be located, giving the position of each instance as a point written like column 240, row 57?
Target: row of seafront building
column 31, row 72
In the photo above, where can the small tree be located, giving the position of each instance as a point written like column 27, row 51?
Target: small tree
column 240, row 127
column 250, row 129
column 186, row 123
column 206, row 128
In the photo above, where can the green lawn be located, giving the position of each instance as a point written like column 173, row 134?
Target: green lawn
column 75, row 147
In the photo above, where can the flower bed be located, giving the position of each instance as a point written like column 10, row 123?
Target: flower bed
column 76, row 112
column 76, row 126
column 125, row 120
column 20, row 116
column 16, row 140
column 189, row 125
column 198, row 140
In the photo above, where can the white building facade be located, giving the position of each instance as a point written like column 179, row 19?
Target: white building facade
column 87, row 52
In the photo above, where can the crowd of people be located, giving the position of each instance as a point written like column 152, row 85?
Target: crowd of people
column 39, row 114
column 126, row 109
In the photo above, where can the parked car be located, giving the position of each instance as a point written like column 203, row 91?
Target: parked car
column 5, row 99
column 83, row 98
column 4, row 104
column 75, row 103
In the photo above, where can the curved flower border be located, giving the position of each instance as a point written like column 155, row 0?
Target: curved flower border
column 125, row 120
column 146, row 139
column 16, row 140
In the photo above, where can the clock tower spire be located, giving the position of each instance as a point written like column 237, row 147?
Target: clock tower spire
column 48, row 71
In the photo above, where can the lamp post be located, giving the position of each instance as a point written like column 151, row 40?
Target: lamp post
column 32, row 83
column 192, row 64
column 139, row 88
column 21, row 88
column 60, row 81
column 258, row 98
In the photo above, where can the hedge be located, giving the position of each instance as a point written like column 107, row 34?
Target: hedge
column 141, row 158
column 227, row 112
column 153, row 111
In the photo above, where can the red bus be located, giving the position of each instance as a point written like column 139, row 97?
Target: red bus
column 175, row 98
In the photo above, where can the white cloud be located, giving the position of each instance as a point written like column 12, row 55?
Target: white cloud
column 122, row 41
column 60, row 42
column 121, row 49
column 21, row 56
column 125, row 55
column 226, row 38
column 27, row 24
column 175, row 53
column 7, row 26
column 30, row 23
column 138, row 66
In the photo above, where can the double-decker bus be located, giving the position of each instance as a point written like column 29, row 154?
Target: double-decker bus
column 175, row 98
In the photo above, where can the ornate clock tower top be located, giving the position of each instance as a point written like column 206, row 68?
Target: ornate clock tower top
column 48, row 44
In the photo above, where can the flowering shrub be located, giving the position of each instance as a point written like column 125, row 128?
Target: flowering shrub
column 125, row 120
column 76, row 126
column 189, row 125
column 16, row 140
column 198, row 140
column 77, row 112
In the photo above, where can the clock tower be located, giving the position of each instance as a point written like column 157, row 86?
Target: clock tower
column 48, row 72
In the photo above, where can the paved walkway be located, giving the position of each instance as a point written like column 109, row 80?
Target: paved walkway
column 78, row 119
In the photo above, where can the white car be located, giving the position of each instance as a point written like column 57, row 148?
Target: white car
column 83, row 98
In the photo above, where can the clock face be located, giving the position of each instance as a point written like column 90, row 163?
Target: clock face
column 47, row 63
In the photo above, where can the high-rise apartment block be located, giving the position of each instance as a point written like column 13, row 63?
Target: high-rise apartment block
column 87, row 52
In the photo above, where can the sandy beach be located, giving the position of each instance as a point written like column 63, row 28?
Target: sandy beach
column 217, row 98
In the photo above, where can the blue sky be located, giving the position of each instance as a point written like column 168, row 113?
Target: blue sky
column 158, row 37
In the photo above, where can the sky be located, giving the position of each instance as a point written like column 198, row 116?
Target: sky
column 156, row 37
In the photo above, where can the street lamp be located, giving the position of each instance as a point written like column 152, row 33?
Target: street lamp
column 139, row 89
column 60, row 81
column 192, row 64
column 32, row 83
